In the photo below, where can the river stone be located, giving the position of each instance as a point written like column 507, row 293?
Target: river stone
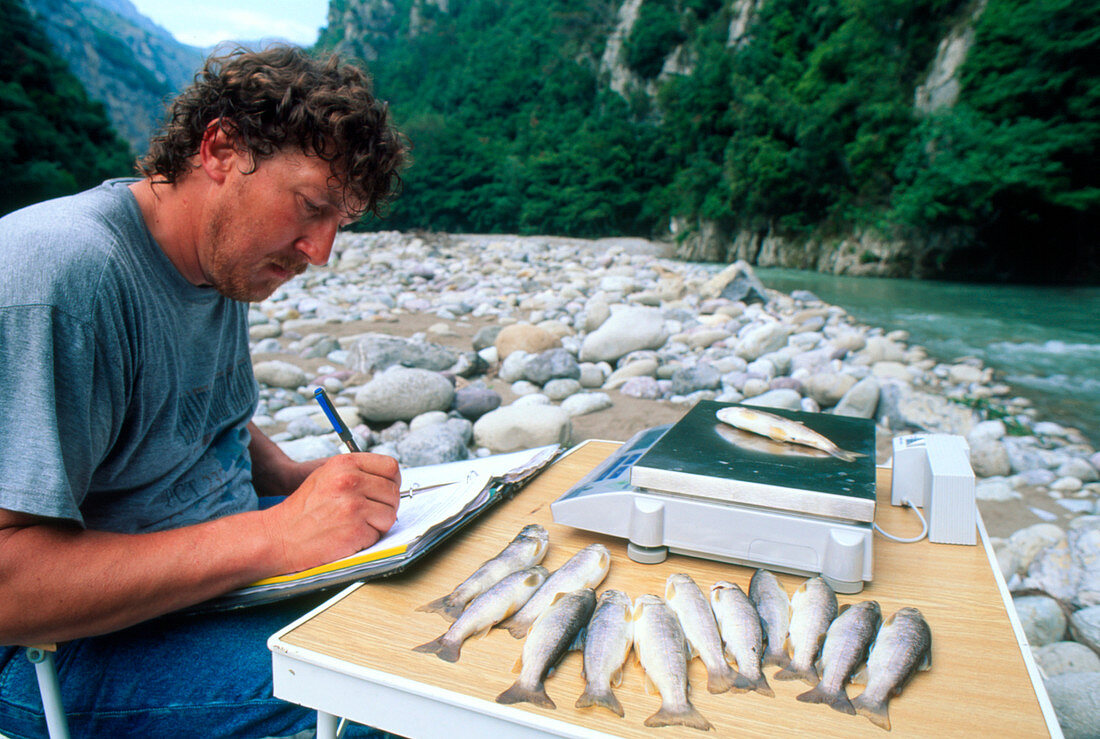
column 828, row 388
column 514, row 367
column 1042, row 619
column 524, row 387
column 596, row 312
column 276, row 373
column 551, row 364
column 902, row 408
column 592, row 374
column 736, row 282
column 646, row 388
column 763, row 368
column 986, row 431
column 486, row 337
column 860, row 401
column 1078, row 468
column 373, row 352
column 308, row 426
column 474, row 401
column 532, row 399
column 308, row 448
column 1073, row 696
column 762, row 340
column 988, row 458
column 1023, row 454
column 789, row 399
column 583, row 403
column 511, row 428
column 264, row 331
column 424, row 420
column 1085, row 626
column 882, row 349
column 561, row 388
column 1070, row 569
column 625, row 331
column 702, row 376
column 640, row 368
column 402, row 393
column 1066, row 656
column 435, row 444
column 995, row 489
column 525, row 337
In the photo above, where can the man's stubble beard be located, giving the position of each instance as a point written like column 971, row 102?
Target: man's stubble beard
column 229, row 276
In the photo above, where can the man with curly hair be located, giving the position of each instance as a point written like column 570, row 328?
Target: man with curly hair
column 130, row 472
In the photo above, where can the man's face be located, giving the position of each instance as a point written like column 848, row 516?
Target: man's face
column 265, row 227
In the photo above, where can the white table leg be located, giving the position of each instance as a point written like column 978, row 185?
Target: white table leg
column 327, row 725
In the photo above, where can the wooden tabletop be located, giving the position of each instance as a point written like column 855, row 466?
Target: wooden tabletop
column 978, row 685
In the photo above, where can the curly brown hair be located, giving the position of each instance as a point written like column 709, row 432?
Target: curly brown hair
column 279, row 98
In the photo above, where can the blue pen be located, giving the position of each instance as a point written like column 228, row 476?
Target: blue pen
column 334, row 418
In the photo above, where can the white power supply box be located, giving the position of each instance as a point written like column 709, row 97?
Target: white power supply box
column 933, row 472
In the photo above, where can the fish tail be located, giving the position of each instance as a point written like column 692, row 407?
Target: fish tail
column 445, row 650
column 522, row 694
column 444, row 606
column 760, row 685
column 808, row 674
column 596, row 696
column 872, row 709
column 518, row 629
column 779, row 659
column 837, row 700
column 845, row 455
column 721, row 680
column 686, row 716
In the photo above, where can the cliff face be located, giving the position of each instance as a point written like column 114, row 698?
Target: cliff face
column 901, row 138
column 124, row 60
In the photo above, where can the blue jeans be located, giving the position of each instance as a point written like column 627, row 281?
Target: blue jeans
column 199, row 675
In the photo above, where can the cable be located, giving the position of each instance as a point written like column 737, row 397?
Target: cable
column 924, row 532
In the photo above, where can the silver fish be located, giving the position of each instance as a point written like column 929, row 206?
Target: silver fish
column 700, row 629
column 813, row 608
column 846, row 644
column 585, row 569
column 607, row 644
column 774, row 607
column 902, row 647
column 743, row 634
column 551, row 636
column 781, row 429
column 663, row 652
column 527, row 549
column 494, row 605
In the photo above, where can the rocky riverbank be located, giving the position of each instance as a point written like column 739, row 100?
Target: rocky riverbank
column 439, row 347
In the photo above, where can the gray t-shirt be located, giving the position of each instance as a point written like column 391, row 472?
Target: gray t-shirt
column 124, row 389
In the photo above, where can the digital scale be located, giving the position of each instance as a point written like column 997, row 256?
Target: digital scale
column 656, row 523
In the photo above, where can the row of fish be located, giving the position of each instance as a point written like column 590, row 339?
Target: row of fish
column 801, row 635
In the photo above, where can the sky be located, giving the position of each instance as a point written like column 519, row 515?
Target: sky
column 204, row 23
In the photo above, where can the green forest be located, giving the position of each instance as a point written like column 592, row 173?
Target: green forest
column 805, row 128
column 54, row 140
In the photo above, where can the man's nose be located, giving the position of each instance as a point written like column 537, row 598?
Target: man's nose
column 316, row 243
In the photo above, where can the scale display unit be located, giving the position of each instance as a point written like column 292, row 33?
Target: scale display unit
column 776, row 530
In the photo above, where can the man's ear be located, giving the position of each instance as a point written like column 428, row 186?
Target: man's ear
column 218, row 153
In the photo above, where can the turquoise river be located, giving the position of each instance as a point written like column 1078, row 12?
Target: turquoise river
column 1044, row 341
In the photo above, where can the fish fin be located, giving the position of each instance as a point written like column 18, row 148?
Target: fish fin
column 779, row 659
column 604, row 698
column 517, row 629
column 721, row 680
column 876, row 711
column 836, row 700
column 650, row 686
column 926, row 663
column 617, row 677
column 808, row 675
column 844, row 455
column 687, row 716
column 483, row 633
column 760, row 685
column 670, row 591
column 859, row 677
column 578, row 641
column 446, row 651
column 520, row 694
column 518, row 664
column 444, row 607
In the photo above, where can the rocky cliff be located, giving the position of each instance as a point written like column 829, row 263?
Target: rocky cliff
column 123, row 59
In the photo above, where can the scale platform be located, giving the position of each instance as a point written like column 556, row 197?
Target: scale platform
column 657, row 522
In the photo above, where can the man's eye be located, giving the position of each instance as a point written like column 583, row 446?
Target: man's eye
column 310, row 206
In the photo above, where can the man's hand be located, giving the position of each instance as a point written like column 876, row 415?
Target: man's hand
column 344, row 506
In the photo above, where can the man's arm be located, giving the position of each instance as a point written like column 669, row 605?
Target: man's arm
column 58, row 582
column 273, row 472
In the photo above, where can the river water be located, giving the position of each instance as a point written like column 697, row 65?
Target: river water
column 1045, row 341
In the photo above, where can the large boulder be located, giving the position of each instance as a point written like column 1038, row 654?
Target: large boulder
column 513, row 427
column 625, row 331
column 402, row 393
